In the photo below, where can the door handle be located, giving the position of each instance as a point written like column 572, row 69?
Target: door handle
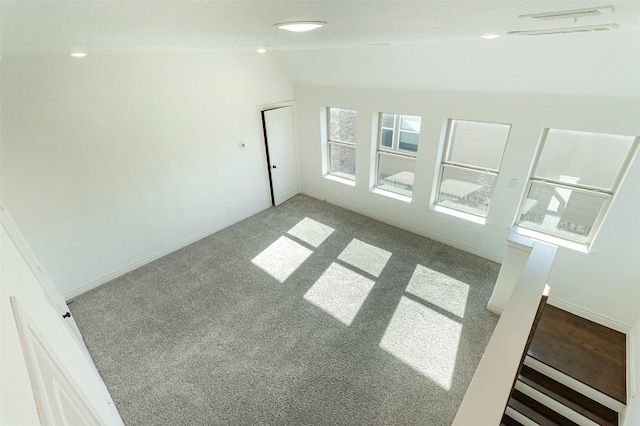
column 273, row 167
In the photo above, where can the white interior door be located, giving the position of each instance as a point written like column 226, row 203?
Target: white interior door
column 48, row 288
column 281, row 153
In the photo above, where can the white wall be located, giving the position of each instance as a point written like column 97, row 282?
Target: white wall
column 112, row 159
column 602, row 284
column 632, row 415
column 17, row 403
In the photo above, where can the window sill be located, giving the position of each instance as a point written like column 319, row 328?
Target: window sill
column 560, row 242
column 340, row 180
column 461, row 215
column 391, row 194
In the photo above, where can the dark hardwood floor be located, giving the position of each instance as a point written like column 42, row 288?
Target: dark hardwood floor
column 582, row 349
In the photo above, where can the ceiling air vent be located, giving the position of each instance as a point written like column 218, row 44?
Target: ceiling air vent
column 549, row 31
column 571, row 14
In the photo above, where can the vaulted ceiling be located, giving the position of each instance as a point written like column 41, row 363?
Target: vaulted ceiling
column 98, row 26
column 402, row 44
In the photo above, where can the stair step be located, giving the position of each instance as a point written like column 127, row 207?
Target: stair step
column 574, row 384
column 590, row 353
column 536, row 411
column 589, row 408
column 508, row 421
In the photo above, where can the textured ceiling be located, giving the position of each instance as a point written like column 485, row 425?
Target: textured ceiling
column 97, row 26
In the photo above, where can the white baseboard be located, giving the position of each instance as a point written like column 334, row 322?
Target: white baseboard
column 591, row 316
column 469, row 249
column 495, row 309
column 135, row 265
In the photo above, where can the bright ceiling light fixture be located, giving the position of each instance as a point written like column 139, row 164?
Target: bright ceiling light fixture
column 78, row 54
column 571, row 14
column 261, row 50
column 490, row 36
column 301, row 26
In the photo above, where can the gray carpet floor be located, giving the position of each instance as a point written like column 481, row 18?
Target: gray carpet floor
column 303, row 314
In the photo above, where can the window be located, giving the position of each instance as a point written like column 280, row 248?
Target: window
column 472, row 157
column 573, row 182
column 342, row 143
column 396, row 154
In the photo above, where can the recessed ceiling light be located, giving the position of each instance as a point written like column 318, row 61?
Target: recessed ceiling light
column 300, row 26
column 571, row 14
column 78, row 54
column 490, row 36
column 261, row 50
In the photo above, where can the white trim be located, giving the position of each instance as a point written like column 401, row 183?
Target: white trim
column 391, row 194
column 575, row 247
column 338, row 179
column 574, row 384
column 137, row 264
column 501, row 359
column 31, row 337
column 266, row 107
column 459, row 214
column 591, row 316
column 519, row 417
column 49, row 289
column 495, row 309
column 417, row 231
column 556, row 406
column 631, row 365
column 51, row 293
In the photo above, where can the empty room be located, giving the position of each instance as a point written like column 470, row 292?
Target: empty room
column 293, row 212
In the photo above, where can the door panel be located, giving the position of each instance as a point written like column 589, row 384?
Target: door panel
column 280, row 140
column 59, row 399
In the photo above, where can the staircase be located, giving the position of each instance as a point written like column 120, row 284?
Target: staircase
column 573, row 374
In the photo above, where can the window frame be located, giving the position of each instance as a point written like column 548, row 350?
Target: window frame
column 585, row 189
column 330, row 142
column 394, row 150
column 445, row 163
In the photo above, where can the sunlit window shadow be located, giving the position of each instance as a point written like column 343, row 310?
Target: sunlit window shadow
column 439, row 289
column 340, row 292
column 366, row 257
column 281, row 258
column 423, row 339
column 311, row 232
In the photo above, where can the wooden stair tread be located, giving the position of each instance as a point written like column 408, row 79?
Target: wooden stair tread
column 509, row 421
column 569, row 397
column 536, row 411
column 590, row 353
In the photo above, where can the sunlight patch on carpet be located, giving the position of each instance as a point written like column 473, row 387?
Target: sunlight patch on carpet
column 281, row 258
column 424, row 340
column 439, row 289
column 340, row 292
column 366, row 257
column 311, row 232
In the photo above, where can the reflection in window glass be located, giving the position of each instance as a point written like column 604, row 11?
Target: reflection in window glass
column 342, row 125
column 574, row 178
column 343, row 161
column 397, row 150
column 468, row 174
column 395, row 173
column 588, row 159
column 466, row 190
column 564, row 212
column 386, row 138
column 477, row 144
column 341, row 143
column 408, row 142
